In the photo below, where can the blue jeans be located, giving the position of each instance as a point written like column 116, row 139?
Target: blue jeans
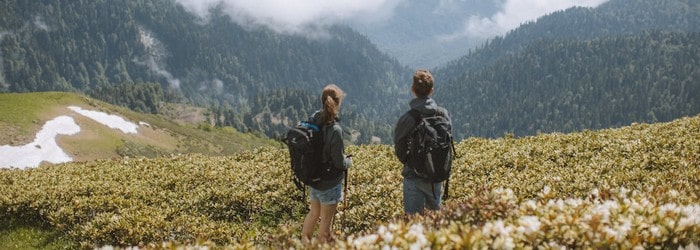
column 419, row 194
column 327, row 197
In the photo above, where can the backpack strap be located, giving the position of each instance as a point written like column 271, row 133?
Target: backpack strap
column 417, row 115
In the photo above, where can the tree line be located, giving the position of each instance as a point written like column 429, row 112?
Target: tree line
column 580, row 68
column 127, row 46
column 571, row 85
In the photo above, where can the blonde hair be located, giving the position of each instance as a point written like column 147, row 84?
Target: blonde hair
column 422, row 83
column 331, row 97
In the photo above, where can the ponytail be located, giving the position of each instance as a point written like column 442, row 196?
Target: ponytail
column 331, row 97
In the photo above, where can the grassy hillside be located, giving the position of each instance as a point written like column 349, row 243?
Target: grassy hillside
column 101, row 47
column 617, row 188
column 23, row 115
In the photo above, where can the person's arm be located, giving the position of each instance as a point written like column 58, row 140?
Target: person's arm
column 447, row 115
column 403, row 126
column 337, row 149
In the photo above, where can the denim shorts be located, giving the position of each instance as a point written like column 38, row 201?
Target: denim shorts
column 327, row 197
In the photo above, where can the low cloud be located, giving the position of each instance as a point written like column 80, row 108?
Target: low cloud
column 155, row 57
column 216, row 85
column 513, row 13
column 154, row 66
column 293, row 16
column 40, row 24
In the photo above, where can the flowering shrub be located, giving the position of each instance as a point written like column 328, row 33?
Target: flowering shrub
column 626, row 220
column 632, row 187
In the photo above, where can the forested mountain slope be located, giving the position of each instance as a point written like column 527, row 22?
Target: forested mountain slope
column 582, row 68
column 92, row 46
column 614, row 18
column 571, row 85
column 546, row 75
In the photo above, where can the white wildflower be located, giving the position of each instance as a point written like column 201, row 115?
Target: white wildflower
column 487, row 229
column 503, row 242
column 666, row 208
column 645, row 203
column 692, row 211
column 635, row 206
column 622, row 230
column 560, row 204
column 605, row 208
column 554, row 245
column 501, row 228
column 655, row 231
column 550, row 203
column 691, row 216
column 416, row 231
column 627, row 201
column 528, row 225
column 546, row 190
column 692, row 246
column 386, row 234
column 365, row 240
column 574, row 202
column 623, row 192
column 531, row 205
column 609, row 232
column 673, row 193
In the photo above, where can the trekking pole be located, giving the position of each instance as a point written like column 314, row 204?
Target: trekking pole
column 345, row 197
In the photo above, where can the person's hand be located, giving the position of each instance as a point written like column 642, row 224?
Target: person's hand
column 348, row 161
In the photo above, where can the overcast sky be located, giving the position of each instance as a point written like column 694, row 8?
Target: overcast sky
column 516, row 12
column 294, row 16
column 302, row 16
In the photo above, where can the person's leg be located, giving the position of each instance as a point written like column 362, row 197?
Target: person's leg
column 412, row 197
column 307, row 230
column 433, row 195
column 325, row 231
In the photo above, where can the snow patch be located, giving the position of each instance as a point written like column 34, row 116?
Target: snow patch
column 112, row 121
column 43, row 148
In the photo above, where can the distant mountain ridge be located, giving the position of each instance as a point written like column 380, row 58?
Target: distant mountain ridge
column 582, row 68
column 414, row 33
column 139, row 53
column 84, row 45
column 611, row 19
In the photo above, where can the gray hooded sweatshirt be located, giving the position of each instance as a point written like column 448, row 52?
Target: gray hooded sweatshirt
column 406, row 123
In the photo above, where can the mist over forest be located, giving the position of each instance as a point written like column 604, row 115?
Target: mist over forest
column 501, row 67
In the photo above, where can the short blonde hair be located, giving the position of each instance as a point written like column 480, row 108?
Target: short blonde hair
column 422, row 83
